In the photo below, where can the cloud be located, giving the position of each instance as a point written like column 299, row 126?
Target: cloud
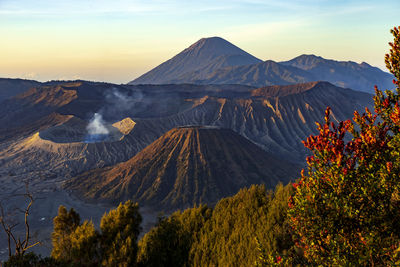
column 75, row 7
column 99, row 7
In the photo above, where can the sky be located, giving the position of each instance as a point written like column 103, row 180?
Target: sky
column 118, row 40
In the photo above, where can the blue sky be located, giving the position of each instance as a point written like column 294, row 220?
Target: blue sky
column 118, row 40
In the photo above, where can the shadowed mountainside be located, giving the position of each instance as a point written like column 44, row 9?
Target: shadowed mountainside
column 186, row 166
column 261, row 74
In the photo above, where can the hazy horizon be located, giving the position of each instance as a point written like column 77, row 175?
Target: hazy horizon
column 120, row 40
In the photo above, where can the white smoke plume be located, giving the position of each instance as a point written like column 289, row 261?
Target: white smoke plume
column 96, row 125
column 121, row 104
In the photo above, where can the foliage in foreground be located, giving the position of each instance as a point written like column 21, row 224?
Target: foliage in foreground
column 81, row 245
column 346, row 209
column 227, row 235
column 120, row 229
column 224, row 236
column 170, row 241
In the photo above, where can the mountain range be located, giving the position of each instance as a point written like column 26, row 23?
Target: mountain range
column 54, row 132
column 43, row 132
column 216, row 61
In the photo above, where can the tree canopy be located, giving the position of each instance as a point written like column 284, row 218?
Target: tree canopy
column 225, row 235
column 82, row 245
column 346, row 205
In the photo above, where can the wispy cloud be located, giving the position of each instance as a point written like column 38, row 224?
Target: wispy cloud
column 74, row 7
column 99, row 7
column 48, row 7
column 102, row 7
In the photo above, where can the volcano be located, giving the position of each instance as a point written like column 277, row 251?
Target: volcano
column 186, row 166
column 201, row 58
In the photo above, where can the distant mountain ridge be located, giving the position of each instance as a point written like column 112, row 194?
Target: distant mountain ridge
column 216, row 61
column 347, row 74
column 261, row 74
column 12, row 87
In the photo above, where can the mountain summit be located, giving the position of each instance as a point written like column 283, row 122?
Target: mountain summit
column 204, row 56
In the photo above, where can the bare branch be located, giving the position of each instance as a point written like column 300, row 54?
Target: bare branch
column 20, row 246
column 26, row 219
column 37, row 243
column 12, row 235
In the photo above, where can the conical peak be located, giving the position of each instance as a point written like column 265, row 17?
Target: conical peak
column 210, row 40
column 216, row 46
column 204, row 56
column 213, row 39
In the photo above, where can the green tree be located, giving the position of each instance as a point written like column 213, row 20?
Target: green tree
column 120, row 229
column 81, row 245
column 229, row 237
column 345, row 210
column 170, row 241
column 85, row 245
column 64, row 225
column 165, row 245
